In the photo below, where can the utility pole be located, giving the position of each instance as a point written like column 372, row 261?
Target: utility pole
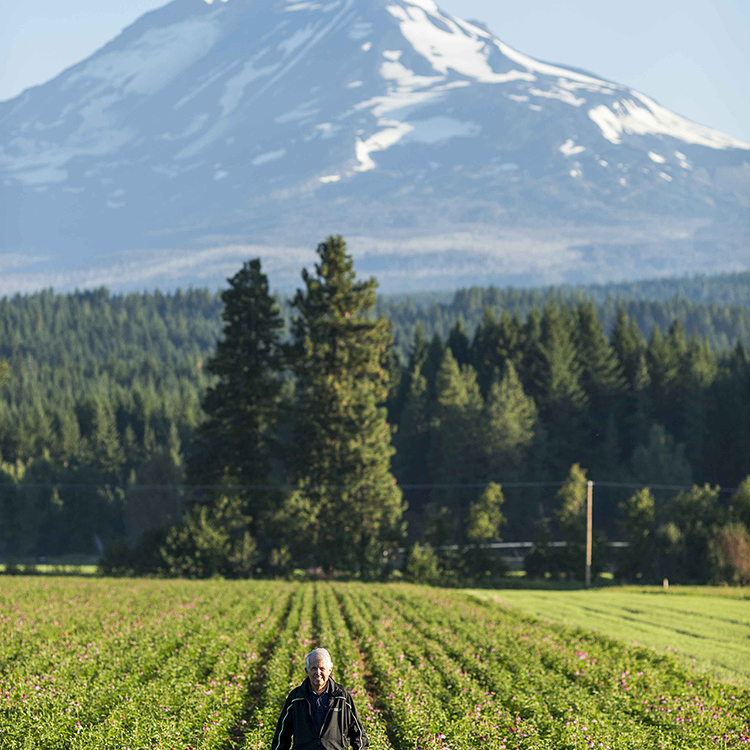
column 589, row 529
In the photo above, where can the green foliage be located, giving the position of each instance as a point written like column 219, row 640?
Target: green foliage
column 571, row 516
column 237, row 440
column 739, row 504
column 729, row 550
column 637, row 517
column 211, row 541
column 485, row 515
column 455, row 430
column 660, row 461
column 342, row 439
column 692, row 516
column 422, row 565
column 705, row 627
column 572, row 511
column 483, row 522
column 508, row 420
column 497, row 385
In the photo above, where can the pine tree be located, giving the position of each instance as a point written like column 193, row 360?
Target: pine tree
column 561, row 399
column 727, row 443
column 601, row 379
column 237, row 441
column 458, row 342
column 456, row 455
column 496, row 343
column 508, row 423
column 485, row 516
column 697, row 374
column 628, row 344
column 663, row 357
column 342, row 442
column 456, row 429
column 601, row 373
column 414, row 432
column 661, row 461
column 432, row 364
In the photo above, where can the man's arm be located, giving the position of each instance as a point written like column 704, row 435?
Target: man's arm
column 282, row 737
column 357, row 734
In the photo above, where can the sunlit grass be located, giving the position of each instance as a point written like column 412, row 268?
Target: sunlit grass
column 707, row 627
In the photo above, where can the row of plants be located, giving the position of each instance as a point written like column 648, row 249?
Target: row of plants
column 92, row 665
column 505, row 680
column 164, row 665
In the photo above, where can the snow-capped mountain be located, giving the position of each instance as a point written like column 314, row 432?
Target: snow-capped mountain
column 211, row 131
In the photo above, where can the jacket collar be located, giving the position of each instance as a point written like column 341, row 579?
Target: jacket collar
column 333, row 687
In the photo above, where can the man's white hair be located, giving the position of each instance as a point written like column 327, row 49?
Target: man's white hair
column 318, row 654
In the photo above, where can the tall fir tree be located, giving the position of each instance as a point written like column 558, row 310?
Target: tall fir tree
column 508, row 422
column 458, row 341
column 603, row 382
column 413, row 436
column 728, row 419
column 342, row 440
column 243, row 408
column 628, row 344
column 601, row 373
column 663, row 357
column 455, row 437
column 496, row 343
column 562, row 400
column 456, row 426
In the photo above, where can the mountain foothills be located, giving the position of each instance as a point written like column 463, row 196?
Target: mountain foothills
column 118, row 426
column 209, row 132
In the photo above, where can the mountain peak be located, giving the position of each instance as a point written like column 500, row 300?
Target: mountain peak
column 237, row 122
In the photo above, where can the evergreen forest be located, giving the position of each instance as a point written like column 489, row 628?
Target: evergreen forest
column 242, row 434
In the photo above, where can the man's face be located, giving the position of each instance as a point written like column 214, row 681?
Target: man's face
column 319, row 671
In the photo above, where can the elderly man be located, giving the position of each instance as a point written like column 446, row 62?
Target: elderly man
column 319, row 714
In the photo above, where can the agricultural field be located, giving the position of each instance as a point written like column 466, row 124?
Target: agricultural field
column 706, row 627
column 128, row 665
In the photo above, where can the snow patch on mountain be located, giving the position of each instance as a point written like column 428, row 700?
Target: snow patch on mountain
column 379, row 142
column 534, row 66
column 646, row 117
column 569, row 148
column 442, row 42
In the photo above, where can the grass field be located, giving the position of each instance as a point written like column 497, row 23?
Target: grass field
column 704, row 626
column 101, row 664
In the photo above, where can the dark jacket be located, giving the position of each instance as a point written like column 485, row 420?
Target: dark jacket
column 341, row 726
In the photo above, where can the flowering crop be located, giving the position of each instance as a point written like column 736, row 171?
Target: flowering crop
column 127, row 665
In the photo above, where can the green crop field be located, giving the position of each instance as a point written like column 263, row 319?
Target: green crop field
column 128, row 665
column 705, row 627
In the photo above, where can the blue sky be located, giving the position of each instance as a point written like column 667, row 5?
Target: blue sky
column 692, row 56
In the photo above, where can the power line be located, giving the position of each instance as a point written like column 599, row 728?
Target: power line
column 292, row 487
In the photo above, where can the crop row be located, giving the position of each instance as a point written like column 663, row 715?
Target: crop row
column 461, row 674
column 129, row 666
column 126, row 665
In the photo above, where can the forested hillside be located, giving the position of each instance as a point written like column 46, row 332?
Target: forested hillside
column 102, row 399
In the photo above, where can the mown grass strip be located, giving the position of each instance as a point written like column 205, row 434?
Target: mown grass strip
column 707, row 631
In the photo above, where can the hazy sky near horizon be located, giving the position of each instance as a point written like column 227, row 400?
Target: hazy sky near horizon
column 692, row 56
